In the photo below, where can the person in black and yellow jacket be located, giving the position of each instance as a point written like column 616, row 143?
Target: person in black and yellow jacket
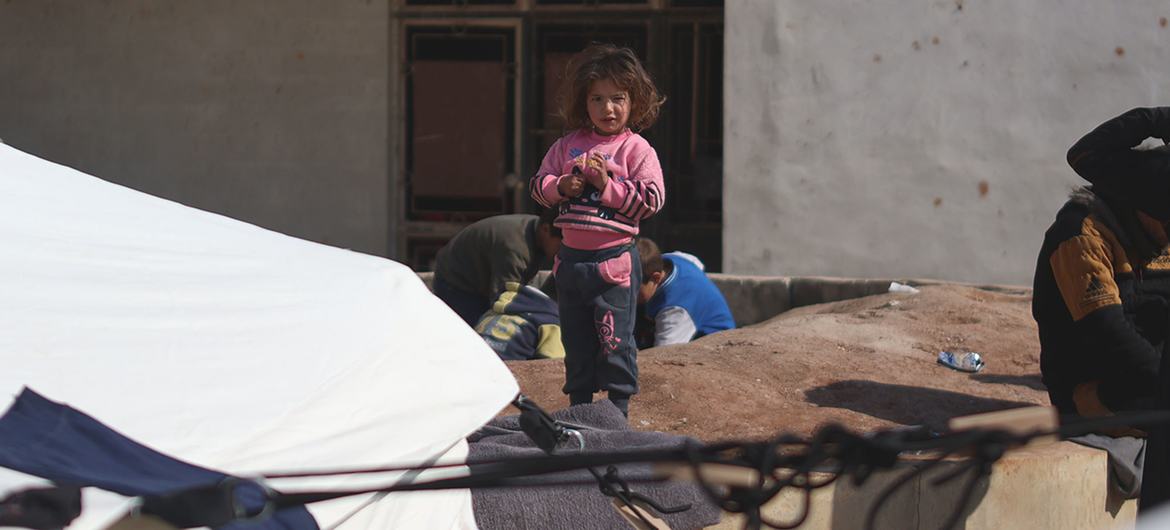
column 1102, row 286
column 522, row 324
column 1101, row 297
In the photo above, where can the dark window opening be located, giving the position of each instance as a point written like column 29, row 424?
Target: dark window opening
column 459, row 2
column 689, row 141
column 460, row 124
column 695, row 115
column 420, row 253
column 696, row 3
column 589, row 2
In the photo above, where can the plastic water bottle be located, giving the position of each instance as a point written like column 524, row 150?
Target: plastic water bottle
column 964, row 362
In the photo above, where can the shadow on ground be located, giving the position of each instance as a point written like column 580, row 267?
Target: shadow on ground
column 904, row 405
column 1031, row 381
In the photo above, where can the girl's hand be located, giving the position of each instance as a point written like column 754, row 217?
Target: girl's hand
column 596, row 171
column 577, row 166
column 570, row 185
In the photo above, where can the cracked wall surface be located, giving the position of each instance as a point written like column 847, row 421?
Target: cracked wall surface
column 918, row 139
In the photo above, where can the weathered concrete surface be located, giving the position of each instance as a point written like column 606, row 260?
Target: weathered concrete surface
column 1061, row 486
column 754, row 298
column 821, row 289
column 882, row 138
column 269, row 111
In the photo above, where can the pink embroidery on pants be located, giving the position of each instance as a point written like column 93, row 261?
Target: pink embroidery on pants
column 605, row 332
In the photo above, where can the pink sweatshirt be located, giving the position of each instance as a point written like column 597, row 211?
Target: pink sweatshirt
column 596, row 220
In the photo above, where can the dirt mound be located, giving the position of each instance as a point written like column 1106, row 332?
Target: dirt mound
column 867, row 363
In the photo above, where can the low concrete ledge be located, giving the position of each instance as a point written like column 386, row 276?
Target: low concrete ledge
column 811, row 290
column 754, row 299
column 1060, row 486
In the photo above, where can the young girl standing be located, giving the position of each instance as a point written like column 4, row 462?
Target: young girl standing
column 604, row 179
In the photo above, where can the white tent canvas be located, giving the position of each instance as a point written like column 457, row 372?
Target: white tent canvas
column 230, row 346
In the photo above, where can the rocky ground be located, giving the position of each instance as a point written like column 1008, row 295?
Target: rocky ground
column 868, row 363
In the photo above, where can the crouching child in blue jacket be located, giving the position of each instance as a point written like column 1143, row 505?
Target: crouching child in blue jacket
column 678, row 298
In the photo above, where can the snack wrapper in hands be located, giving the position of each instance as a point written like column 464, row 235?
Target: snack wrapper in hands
column 589, row 165
column 596, row 170
column 594, row 167
column 576, row 166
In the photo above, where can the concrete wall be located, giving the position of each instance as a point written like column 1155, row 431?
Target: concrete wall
column 1060, row 486
column 269, row 111
column 882, row 138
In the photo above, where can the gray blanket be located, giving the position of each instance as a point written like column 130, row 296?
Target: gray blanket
column 579, row 507
column 1127, row 457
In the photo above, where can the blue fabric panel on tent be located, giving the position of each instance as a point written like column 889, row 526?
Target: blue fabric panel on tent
column 56, row 442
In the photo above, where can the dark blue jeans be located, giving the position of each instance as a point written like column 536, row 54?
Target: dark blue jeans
column 597, row 292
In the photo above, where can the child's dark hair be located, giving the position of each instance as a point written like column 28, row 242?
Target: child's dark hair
column 547, row 217
column 650, row 257
column 620, row 65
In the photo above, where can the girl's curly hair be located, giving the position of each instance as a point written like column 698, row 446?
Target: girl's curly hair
column 620, row 65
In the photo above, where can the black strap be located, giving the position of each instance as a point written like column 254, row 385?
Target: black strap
column 210, row 506
column 541, row 428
